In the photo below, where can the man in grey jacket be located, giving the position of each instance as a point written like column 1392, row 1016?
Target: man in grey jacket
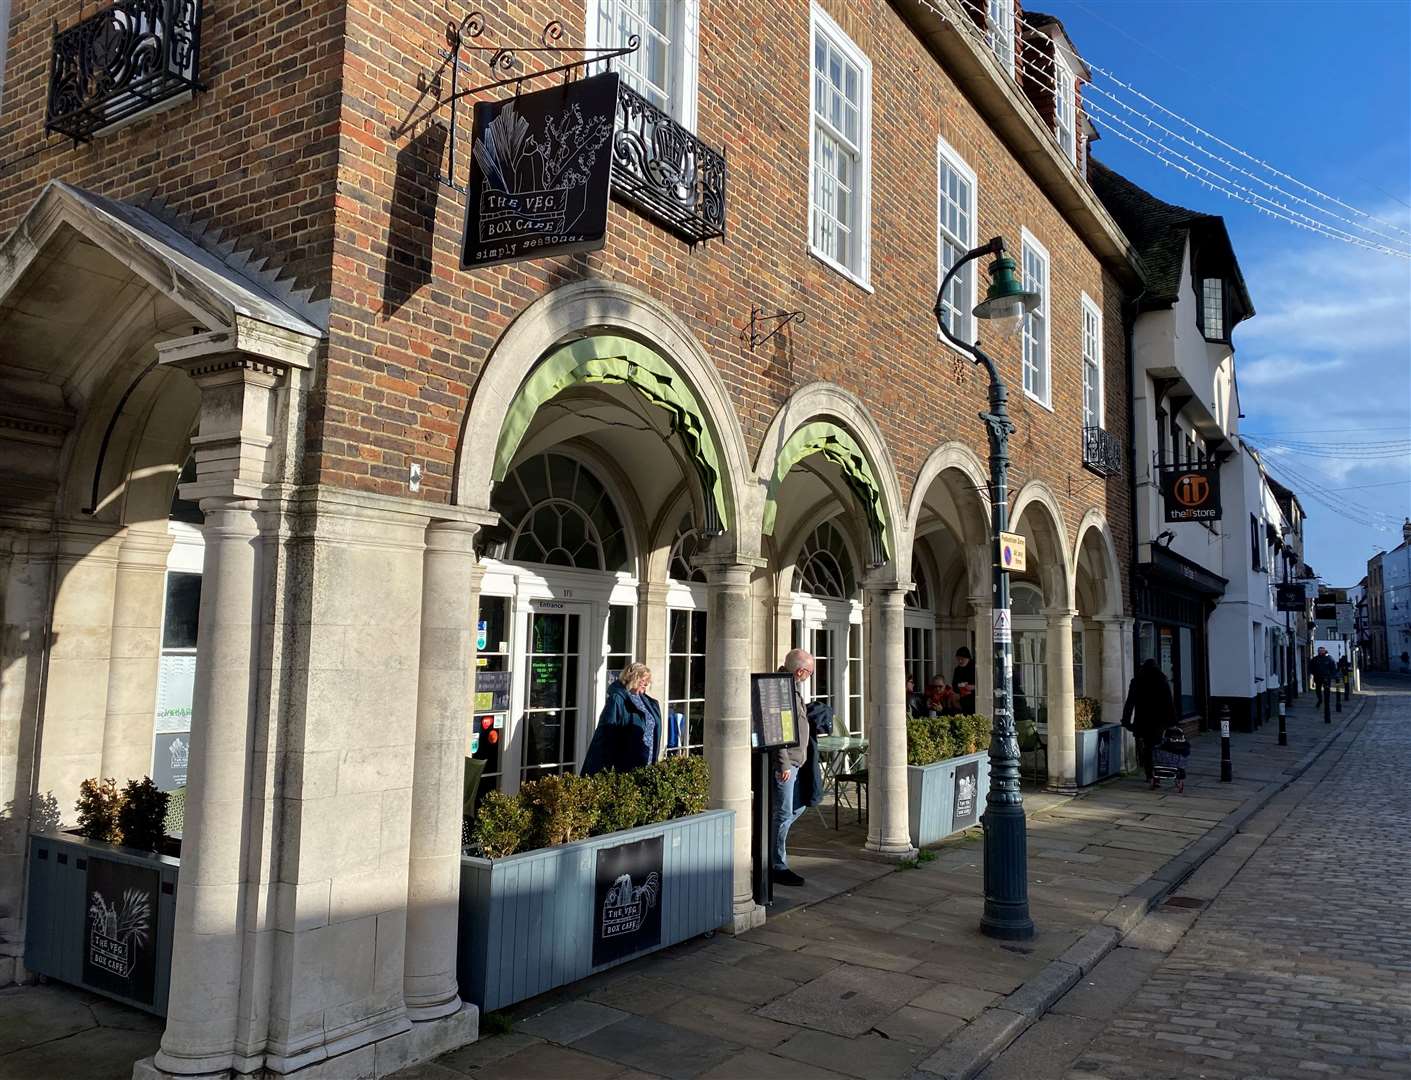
column 787, row 761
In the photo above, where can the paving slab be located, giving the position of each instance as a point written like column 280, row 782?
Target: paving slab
column 487, row 1051
column 756, row 1063
column 661, row 1049
column 716, row 1016
column 965, row 1002
column 867, row 1057
column 848, row 1000
column 924, row 1027
column 570, row 1021
column 545, row 1061
column 1045, row 1050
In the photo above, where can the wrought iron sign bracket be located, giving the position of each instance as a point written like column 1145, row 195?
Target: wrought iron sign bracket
column 753, row 331
column 505, row 62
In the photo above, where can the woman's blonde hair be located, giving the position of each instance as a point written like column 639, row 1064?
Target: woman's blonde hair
column 632, row 675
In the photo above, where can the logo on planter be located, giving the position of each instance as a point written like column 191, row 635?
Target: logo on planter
column 627, row 900
column 965, row 811
column 118, row 952
column 1104, row 752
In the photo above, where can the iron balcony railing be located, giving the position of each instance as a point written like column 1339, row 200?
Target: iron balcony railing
column 131, row 58
column 1102, row 452
column 662, row 170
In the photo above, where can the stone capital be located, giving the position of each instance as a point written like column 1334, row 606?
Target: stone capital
column 1060, row 614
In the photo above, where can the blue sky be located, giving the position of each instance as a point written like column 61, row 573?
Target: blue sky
column 1322, row 91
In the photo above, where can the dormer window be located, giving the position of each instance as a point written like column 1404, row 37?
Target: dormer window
column 1212, row 309
column 1065, row 108
column 1000, row 33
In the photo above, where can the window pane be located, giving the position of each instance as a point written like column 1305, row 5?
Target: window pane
column 183, row 611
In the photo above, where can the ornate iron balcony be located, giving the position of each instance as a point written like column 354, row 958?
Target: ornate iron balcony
column 131, row 58
column 662, row 170
column 1102, row 452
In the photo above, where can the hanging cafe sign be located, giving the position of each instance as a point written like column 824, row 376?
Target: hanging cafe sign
column 540, row 170
column 1191, row 492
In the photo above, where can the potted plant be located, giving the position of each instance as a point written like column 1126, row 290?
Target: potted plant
column 948, row 774
column 1099, row 745
column 102, row 897
column 570, row 875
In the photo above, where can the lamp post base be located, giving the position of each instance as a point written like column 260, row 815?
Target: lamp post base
column 1006, row 914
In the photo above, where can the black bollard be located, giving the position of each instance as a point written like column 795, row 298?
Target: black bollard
column 1226, row 769
column 1326, row 689
column 1283, row 727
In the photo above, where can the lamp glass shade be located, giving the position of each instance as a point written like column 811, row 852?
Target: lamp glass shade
column 1006, row 303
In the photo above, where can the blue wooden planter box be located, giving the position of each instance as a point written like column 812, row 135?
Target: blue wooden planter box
column 101, row 917
column 546, row 918
column 937, row 805
column 1099, row 753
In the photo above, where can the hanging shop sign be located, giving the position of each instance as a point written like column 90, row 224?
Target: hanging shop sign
column 1191, row 493
column 120, row 937
column 773, row 722
column 540, row 171
column 627, row 900
column 965, row 810
column 1011, row 551
column 1290, row 597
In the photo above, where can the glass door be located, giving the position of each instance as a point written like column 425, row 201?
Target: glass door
column 826, row 685
column 553, row 692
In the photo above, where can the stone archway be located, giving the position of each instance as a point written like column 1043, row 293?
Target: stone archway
column 1097, row 598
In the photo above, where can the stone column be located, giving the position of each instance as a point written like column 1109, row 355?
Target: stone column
column 1062, row 740
column 888, row 830
column 76, row 675
column 982, row 618
column 444, row 698
column 207, row 952
column 1114, row 679
column 139, row 595
column 727, row 717
column 653, row 647
column 24, row 605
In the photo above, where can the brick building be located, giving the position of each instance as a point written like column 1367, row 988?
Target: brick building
column 387, row 462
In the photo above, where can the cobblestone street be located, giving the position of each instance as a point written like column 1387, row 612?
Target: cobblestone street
column 1299, row 966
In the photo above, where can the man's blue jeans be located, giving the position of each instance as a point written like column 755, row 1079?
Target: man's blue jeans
column 783, row 817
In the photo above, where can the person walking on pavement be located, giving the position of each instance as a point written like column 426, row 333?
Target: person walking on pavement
column 787, row 762
column 1148, row 711
column 1324, row 671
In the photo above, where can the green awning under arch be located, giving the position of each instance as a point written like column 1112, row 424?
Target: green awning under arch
column 621, row 361
column 828, row 439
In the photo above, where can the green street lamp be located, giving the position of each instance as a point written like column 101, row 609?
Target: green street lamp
column 1006, row 912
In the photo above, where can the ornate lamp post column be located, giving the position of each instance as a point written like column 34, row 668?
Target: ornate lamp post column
column 1006, row 840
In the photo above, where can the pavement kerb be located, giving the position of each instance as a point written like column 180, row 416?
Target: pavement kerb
column 970, row 1051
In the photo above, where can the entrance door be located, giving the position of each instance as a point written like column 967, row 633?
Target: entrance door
column 554, row 692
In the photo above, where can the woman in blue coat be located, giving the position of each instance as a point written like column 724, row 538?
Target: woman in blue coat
column 628, row 727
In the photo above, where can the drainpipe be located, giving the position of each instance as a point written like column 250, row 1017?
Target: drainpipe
column 1130, row 311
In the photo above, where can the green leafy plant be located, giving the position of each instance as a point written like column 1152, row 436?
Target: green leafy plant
column 1087, row 713
column 935, row 738
column 97, row 806
column 563, row 808
column 618, row 802
column 502, row 824
column 142, row 815
column 658, row 796
column 689, row 778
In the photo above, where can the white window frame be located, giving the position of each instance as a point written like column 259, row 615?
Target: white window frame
column 1091, row 310
column 1029, row 242
column 685, row 63
column 948, row 158
column 1065, row 102
column 999, row 33
column 822, row 24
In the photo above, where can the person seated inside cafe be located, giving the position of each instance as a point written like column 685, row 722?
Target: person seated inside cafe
column 941, row 700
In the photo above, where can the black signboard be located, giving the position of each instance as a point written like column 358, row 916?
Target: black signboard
column 1290, row 597
column 539, row 173
column 120, row 933
column 627, row 900
column 171, row 752
column 1191, row 492
column 773, row 722
column 965, row 810
column 492, row 691
column 1104, row 753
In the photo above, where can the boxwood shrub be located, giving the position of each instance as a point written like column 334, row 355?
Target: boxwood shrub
column 935, row 738
column 561, row 809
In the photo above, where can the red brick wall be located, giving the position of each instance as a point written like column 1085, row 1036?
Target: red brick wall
column 298, row 148
column 398, row 380
column 255, row 154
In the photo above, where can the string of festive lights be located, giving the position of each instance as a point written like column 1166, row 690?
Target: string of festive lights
column 1040, row 74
